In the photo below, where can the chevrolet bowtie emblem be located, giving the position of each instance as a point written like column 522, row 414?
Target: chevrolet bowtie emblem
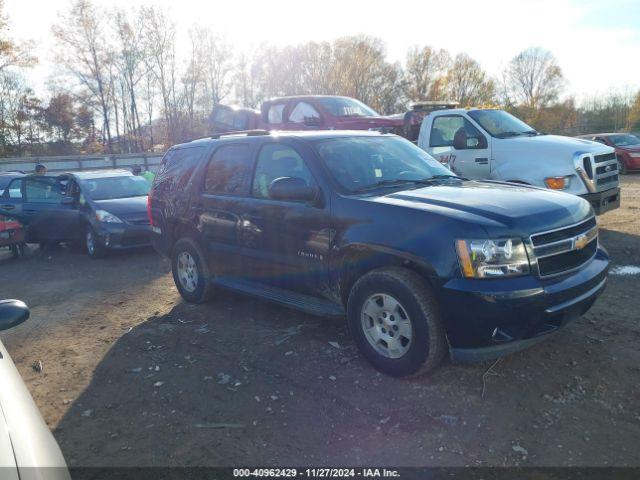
column 581, row 242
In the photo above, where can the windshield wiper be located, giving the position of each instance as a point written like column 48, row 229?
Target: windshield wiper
column 390, row 183
column 445, row 176
column 509, row 134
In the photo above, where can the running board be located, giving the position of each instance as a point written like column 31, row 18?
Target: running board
column 299, row 301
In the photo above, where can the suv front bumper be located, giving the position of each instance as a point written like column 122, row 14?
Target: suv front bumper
column 604, row 201
column 487, row 319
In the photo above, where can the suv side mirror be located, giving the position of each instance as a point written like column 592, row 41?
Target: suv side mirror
column 292, row 189
column 12, row 313
column 312, row 121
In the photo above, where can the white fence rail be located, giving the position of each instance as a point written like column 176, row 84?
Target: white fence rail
column 70, row 163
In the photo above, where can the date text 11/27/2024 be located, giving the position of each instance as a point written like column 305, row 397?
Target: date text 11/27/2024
column 316, row 473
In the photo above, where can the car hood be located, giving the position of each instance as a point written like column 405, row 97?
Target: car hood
column 24, row 431
column 499, row 207
column 555, row 145
column 123, row 206
column 630, row 148
column 7, row 459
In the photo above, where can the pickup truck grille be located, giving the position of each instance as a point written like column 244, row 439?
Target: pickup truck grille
column 565, row 249
column 601, row 171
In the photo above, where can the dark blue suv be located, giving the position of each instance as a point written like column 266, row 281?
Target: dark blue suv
column 368, row 226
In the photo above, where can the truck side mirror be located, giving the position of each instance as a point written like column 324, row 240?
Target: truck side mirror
column 292, row 189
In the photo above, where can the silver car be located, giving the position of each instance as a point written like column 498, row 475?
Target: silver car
column 27, row 447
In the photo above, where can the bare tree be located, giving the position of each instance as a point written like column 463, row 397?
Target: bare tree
column 12, row 53
column 425, row 73
column 83, row 52
column 533, row 78
column 633, row 121
column 160, row 57
column 467, row 83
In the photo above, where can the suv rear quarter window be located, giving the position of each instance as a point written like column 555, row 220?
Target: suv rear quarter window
column 177, row 167
column 229, row 170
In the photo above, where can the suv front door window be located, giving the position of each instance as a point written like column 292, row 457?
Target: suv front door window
column 286, row 242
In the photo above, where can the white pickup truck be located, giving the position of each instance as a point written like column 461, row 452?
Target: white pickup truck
column 493, row 144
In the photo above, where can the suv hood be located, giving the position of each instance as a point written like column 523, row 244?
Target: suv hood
column 551, row 145
column 123, row 206
column 498, row 206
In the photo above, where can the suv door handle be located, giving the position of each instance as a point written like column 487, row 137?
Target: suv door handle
column 7, row 207
column 482, row 161
column 30, row 212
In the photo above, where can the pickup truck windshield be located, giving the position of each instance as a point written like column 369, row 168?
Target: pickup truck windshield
column 346, row 107
column 501, row 124
column 362, row 163
column 114, row 187
column 624, row 140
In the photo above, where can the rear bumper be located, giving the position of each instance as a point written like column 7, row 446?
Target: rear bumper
column 604, row 201
column 487, row 319
column 124, row 236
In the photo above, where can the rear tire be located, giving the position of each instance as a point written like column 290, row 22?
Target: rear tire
column 394, row 320
column 190, row 272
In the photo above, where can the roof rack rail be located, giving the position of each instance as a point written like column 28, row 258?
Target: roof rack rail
column 245, row 133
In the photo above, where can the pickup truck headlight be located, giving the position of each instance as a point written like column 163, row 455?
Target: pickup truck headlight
column 492, row 258
column 558, row 183
column 104, row 216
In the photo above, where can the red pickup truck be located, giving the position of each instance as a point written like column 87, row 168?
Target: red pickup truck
column 627, row 148
column 305, row 112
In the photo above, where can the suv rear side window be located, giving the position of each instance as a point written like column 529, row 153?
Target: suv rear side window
column 229, row 170
column 277, row 161
column 177, row 167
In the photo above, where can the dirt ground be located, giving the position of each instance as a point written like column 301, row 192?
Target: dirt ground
column 134, row 376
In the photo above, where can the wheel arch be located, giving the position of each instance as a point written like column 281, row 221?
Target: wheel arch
column 358, row 259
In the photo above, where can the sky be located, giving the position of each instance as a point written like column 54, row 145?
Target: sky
column 596, row 42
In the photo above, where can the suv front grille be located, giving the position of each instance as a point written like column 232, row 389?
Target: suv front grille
column 567, row 261
column 565, row 249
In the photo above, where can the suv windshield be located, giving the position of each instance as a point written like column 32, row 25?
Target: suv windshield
column 501, row 124
column 624, row 140
column 346, row 107
column 115, row 187
column 361, row 163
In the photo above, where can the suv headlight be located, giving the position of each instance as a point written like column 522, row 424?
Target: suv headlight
column 104, row 216
column 492, row 258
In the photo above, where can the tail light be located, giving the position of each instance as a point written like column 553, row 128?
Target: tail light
column 149, row 209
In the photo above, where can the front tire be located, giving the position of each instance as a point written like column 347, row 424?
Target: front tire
column 622, row 168
column 190, row 272
column 92, row 243
column 394, row 320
